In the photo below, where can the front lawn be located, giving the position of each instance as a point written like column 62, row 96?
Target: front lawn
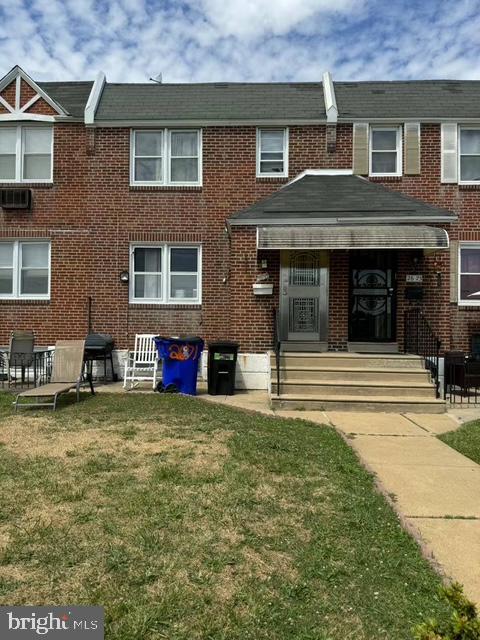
column 466, row 439
column 188, row 520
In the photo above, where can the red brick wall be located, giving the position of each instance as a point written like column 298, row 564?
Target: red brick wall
column 92, row 214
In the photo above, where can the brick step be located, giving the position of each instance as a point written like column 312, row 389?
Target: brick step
column 389, row 404
column 369, row 389
column 353, row 374
column 348, row 360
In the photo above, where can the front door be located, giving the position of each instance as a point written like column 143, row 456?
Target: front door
column 304, row 296
column 372, row 296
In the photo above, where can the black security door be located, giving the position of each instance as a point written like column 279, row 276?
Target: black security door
column 372, row 296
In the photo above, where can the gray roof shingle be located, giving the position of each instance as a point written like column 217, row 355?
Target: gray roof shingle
column 413, row 99
column 286, row 102
column 72, row 96
column 215, row 101
column 318, row 198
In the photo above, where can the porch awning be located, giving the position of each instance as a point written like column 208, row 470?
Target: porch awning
column 353, row 237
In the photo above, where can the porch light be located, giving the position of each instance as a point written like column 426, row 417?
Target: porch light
column 124, row 276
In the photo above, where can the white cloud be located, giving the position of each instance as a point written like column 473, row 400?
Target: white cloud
column 253, row 40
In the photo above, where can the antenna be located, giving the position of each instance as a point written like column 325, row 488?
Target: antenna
column 157, row 78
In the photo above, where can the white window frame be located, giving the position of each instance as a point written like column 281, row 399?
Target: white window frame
column 20, row 153
column 462, row 302
column 270, row 174
column 459, row 152
column 166, row 157
column 17, row 271
column 398, row 131
column 166, row 299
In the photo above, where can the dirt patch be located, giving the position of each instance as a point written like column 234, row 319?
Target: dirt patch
column 31, row 436
column 263, row 565
column 205, row 452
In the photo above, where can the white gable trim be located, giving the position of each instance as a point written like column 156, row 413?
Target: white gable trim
column 28, row 104
column 26, row 117
column 94, row 98
column 6, row 105
column 319, row 172
column 17, row 74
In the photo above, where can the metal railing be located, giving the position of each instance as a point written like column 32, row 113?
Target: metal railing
column 277, row 345
column 421, row 340
column 25, row 370
column 462, row 378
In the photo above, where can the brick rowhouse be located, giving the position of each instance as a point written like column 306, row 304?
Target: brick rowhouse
column 91, row 214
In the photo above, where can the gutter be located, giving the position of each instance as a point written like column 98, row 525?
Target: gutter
column 338, row 221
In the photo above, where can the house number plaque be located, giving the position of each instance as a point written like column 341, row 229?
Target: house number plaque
column 414, row 278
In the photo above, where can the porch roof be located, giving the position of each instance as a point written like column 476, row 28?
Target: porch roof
column 399, row 236
column 317, row 198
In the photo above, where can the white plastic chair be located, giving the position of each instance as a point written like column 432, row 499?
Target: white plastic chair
column 141, row 364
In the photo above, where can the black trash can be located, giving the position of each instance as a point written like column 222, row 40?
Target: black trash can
column 222, row 361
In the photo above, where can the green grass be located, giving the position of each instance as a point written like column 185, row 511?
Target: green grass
column 188, row 520
column 466, row 440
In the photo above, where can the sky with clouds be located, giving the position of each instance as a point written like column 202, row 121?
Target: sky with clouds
column 241, row 40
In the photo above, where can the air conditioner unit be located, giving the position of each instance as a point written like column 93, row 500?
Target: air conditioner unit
column 16, row 198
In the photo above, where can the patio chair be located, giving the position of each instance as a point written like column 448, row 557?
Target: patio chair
column 20, row 353
column 141, row 364
column 67, row 373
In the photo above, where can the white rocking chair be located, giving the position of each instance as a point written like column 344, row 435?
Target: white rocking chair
column 141, row 364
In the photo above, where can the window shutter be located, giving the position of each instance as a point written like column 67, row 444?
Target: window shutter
column 360, row 148
column 453, row 271
column 449, row 152
column 412, row 148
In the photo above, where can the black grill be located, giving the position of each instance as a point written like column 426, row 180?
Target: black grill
column 99, row 346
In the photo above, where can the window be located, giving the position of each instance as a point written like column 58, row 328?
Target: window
column 469, row 155
column 165, row 274
column 166, row 157
column 26, row 154
column 272, row 153
column 469, row 274
column 385, row 151
column 25, row 270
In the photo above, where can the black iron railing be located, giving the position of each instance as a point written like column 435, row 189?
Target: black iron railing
column 422, row 341
column 462, row 378
column 25, row 370
column 277, row 345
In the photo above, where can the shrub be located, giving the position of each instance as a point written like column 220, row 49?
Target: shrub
column 464, row 623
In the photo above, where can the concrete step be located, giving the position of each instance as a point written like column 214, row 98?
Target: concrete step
column 353, row 374
column 325, row 402
column 348, row 360
column 358, row 389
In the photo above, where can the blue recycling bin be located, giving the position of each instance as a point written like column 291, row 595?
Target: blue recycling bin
column 180, row 357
